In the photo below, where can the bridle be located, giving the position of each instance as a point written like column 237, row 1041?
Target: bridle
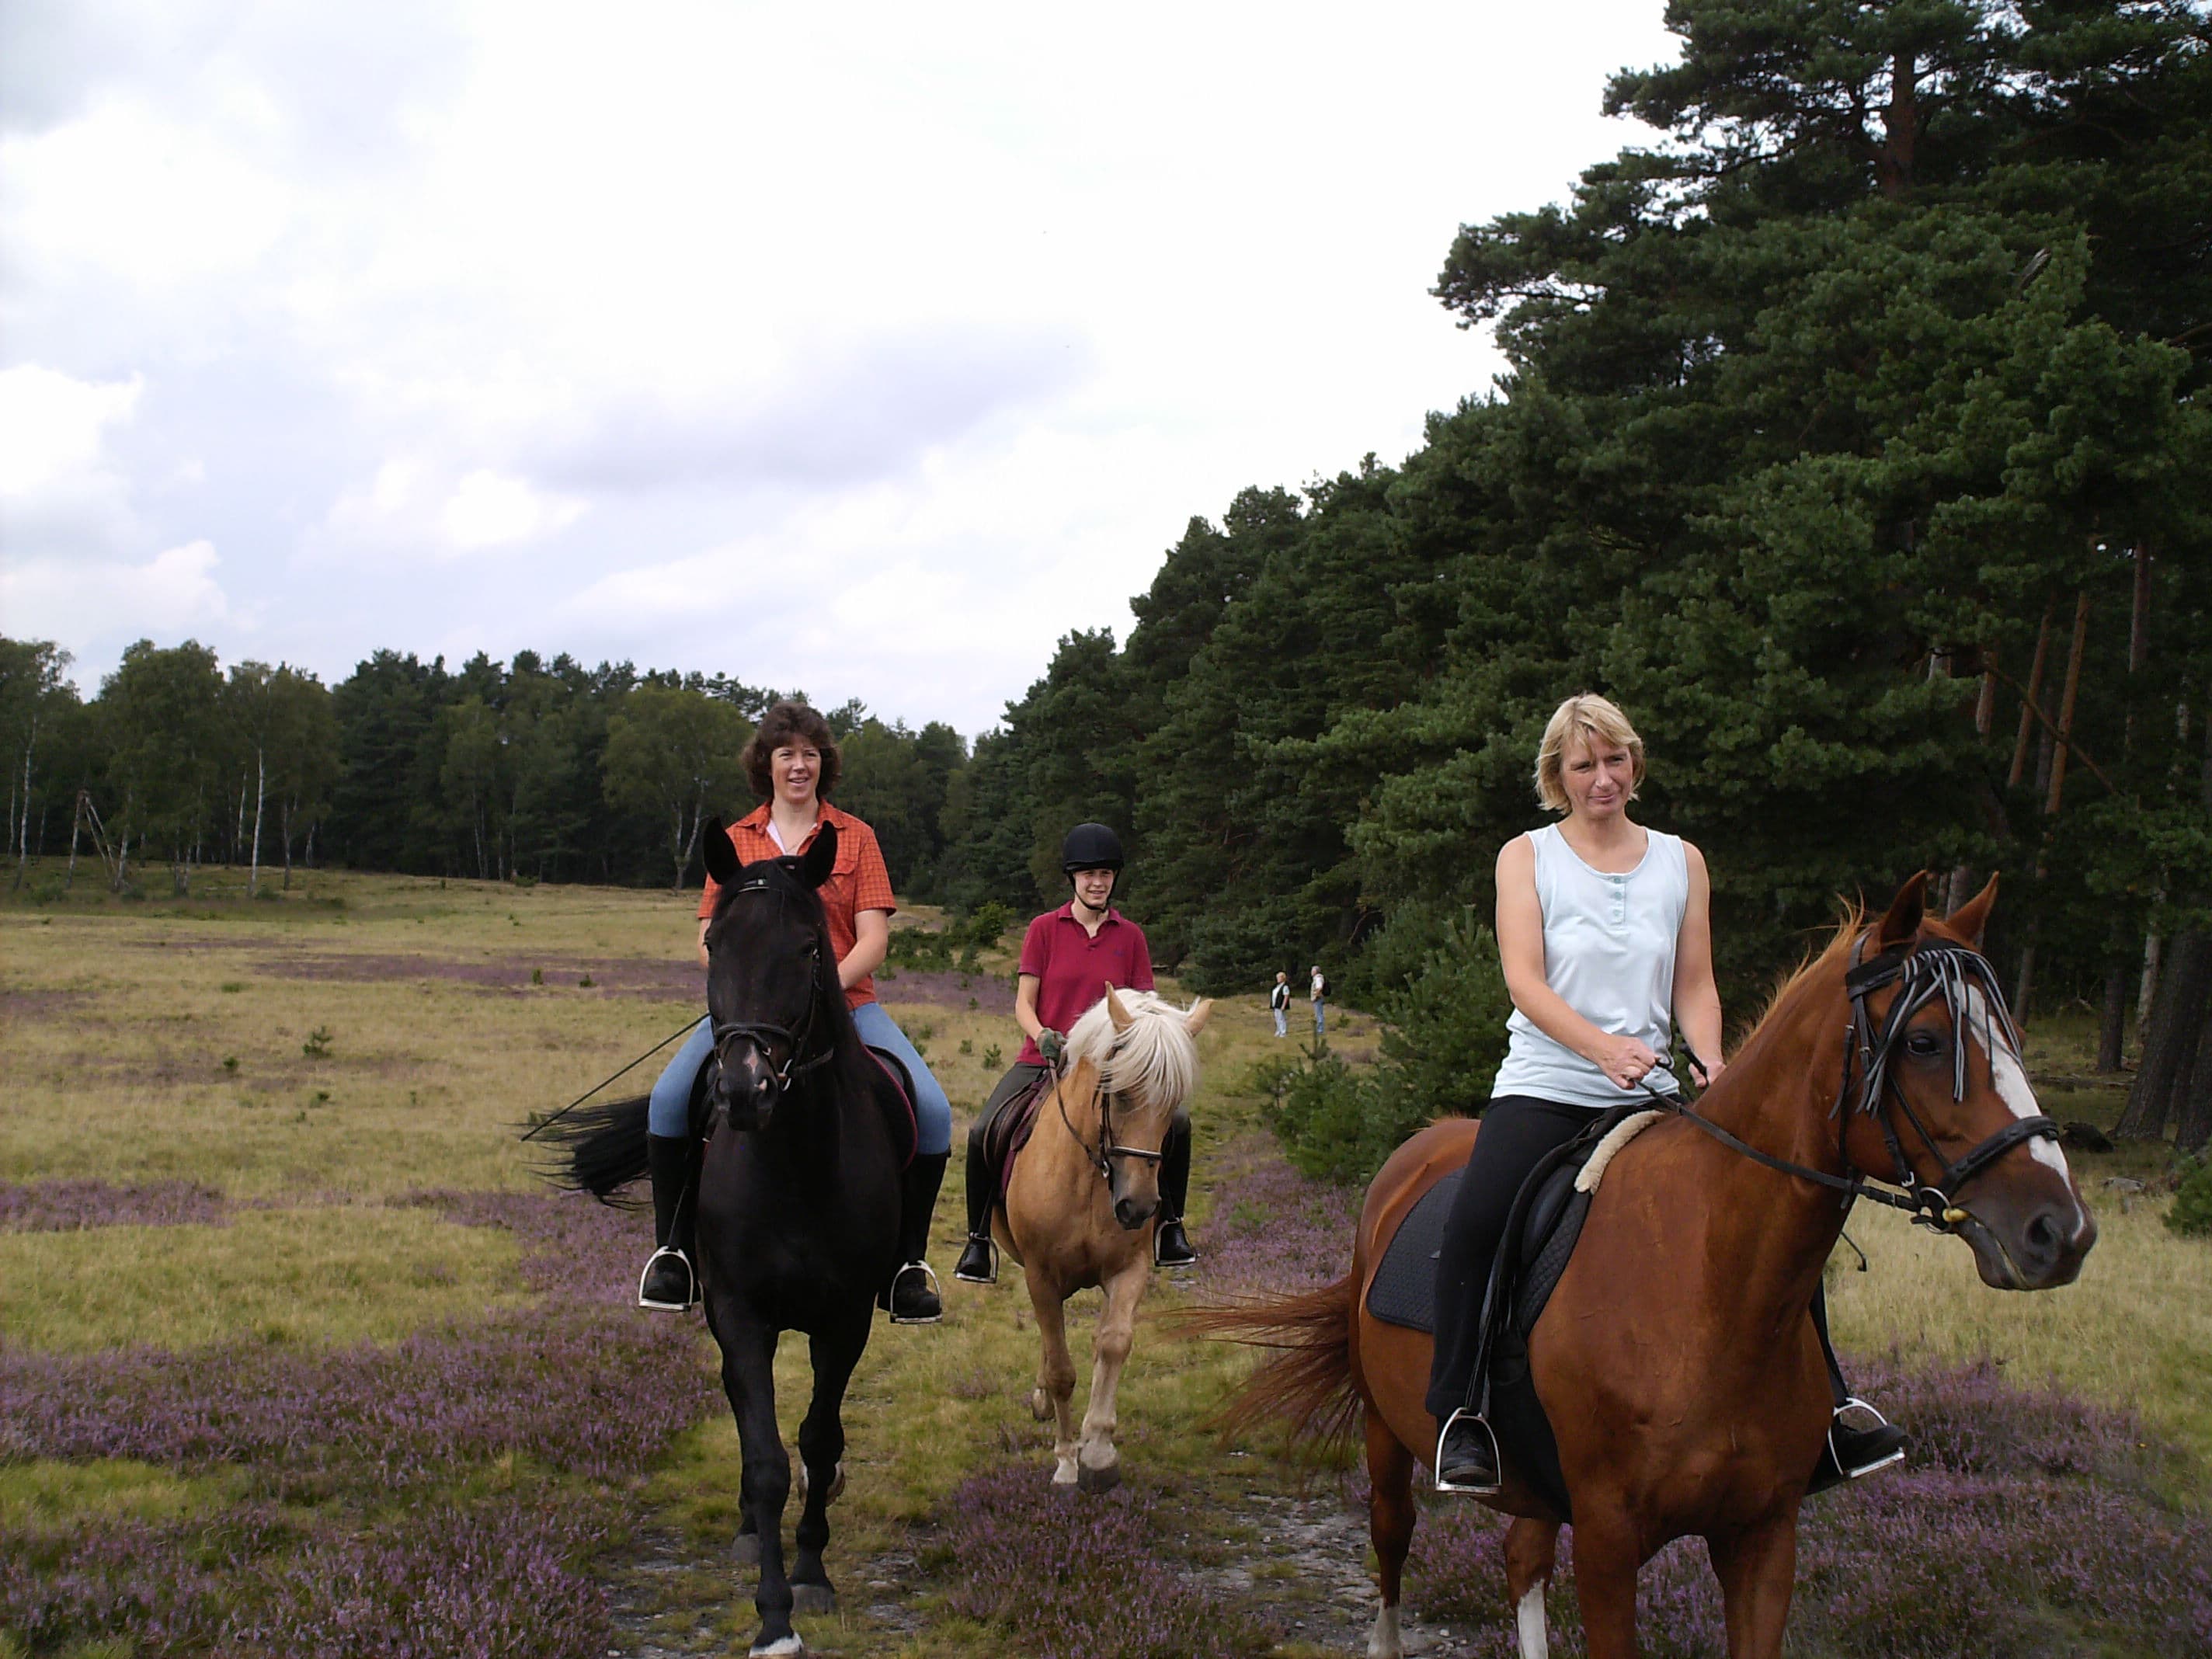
column 1102, row 1156
column 764, row 1034
column 1954, row 972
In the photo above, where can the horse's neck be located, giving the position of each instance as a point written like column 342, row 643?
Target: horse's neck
column 1775, row 1095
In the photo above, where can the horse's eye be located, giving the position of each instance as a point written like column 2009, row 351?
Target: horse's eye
column 1924, row 1045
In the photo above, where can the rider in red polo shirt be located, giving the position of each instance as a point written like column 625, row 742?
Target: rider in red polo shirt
column 1069, row 957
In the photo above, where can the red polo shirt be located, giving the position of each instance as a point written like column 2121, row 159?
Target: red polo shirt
column 1073, row 969
column 858, row 880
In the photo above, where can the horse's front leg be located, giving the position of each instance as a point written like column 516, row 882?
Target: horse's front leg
column 1532, row 1550
column 1098, row 1459
column 749, row 1378
column 1607, row 1552
column 1757, row 1566
column 1056, row 1372
column 822, row 1451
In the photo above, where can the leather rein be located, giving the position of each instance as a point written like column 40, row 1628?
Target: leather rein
column 763, row 1034
column 1952, row 972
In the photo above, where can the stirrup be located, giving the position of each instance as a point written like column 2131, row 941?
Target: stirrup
column 1497, row 1461
column 891, row 1296
column 990, row 1274
column 690, row 1281
column 1894, row 1455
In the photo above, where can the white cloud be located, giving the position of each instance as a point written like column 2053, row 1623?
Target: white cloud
column 111, row 604
column 53, row 427
column 488, row 510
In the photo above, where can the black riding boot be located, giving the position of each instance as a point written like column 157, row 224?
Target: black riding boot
column 670, row 1279
column 911, row 1298
column 977, row 1264
column 1860, row 1439
column 1171, row 1245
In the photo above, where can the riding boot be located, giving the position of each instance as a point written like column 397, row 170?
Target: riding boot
column 978, row 1264
column 1171, row 1245
column 1860, row 1439
column 911, row 1296
column 670, row 1281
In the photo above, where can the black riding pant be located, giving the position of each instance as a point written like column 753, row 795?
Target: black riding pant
column 1517, row 1131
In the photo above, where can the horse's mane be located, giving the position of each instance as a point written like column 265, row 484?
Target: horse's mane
column 1848, row 928
column 1154, row 1057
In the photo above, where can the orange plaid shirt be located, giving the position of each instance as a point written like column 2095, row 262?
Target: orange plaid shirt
column 858, row 881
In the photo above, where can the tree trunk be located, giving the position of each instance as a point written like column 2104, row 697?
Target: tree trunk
column 2170, row 1038
column 2027, row 721
column 2194, row 1106
column 284, row 817
column 2112, row 1029
column 261, row 799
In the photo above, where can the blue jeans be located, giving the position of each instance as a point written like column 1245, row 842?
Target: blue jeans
column 1321, row 1023
column 670, row 1111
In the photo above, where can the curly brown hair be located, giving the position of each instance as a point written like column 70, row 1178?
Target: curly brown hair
column 782, row 723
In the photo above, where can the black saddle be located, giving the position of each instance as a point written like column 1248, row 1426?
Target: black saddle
column 1541, row 1233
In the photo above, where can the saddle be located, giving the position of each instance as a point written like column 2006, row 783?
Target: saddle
column 1008, row 1131
column 1541, row 1229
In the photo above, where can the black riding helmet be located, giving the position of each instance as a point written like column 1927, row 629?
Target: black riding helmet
column 1090, row 846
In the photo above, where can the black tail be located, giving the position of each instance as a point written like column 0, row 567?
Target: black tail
column 596, row 1149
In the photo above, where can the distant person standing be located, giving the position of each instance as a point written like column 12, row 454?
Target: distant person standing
column 1318, row 992
column 1280, row 1001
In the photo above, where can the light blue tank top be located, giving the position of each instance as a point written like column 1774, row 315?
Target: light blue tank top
column 1609, row 951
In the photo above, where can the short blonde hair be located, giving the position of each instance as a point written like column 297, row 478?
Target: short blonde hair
column 1595, row 719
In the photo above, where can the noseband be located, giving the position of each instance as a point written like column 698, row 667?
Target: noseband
column 1941, row 969
column 762, row 1035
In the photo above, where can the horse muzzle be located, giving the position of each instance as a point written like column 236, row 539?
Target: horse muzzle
column 1134, row 1213
column 745, row 1094
column 2040, row 1250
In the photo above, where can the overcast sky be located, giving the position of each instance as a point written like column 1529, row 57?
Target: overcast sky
column 867, row 349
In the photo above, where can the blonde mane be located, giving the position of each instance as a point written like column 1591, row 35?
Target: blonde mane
column 1156, row 1060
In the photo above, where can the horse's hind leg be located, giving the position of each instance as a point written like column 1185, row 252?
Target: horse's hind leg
column 1390, row 1517
column 822, row 1451
column 1532, row 1550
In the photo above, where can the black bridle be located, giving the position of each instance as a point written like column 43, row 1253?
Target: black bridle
column 1103, row 1155
column 763, row 1034
column 1954, row 972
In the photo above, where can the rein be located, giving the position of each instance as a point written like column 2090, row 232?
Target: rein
column 762, row 1034
column 1952, row 972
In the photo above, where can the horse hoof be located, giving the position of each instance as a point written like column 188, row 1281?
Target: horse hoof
column 745, row 1549
column 782, row 1648
column 1063, row 1477
column 1097, row 1480
column 813, row 1598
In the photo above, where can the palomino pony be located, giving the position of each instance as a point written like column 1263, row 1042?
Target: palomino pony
column 799, row 1195
column 1676, row 1359
column 1081, row 1201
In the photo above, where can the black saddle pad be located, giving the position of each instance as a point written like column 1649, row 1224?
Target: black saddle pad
column 1405, row 1288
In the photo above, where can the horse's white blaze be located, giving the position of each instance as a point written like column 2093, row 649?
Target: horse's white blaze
column 2010, row 1078
column 1528, row 1621
column 1384, row 1641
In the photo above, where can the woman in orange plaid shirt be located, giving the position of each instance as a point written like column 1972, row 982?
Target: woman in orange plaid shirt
column 793, row 760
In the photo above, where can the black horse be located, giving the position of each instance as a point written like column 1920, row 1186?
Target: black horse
column 797, row 1196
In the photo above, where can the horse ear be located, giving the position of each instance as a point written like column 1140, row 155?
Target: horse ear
column 1972, row 919
column 1118, row 1011
column 821, row 857
column 721, row 853
column 1900, row 923
column 1201, row 1012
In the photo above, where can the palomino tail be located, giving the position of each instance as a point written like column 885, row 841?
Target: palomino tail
column 1307, row 1386
column 597, row 1149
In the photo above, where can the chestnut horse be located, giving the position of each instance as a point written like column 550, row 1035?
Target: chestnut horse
column 1676, row 1359
column 1082, row 1198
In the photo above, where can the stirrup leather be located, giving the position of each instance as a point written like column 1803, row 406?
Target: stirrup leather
column 690, row 1281
column 1835, row 1452
column 1457, row 1420
column 890, row 1298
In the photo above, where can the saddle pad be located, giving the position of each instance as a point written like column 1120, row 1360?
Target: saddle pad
column 902, row 1127
column 1404, row 1291
column 1009, row 1131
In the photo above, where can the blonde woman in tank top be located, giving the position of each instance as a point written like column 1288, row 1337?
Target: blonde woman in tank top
column 1605, row 934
